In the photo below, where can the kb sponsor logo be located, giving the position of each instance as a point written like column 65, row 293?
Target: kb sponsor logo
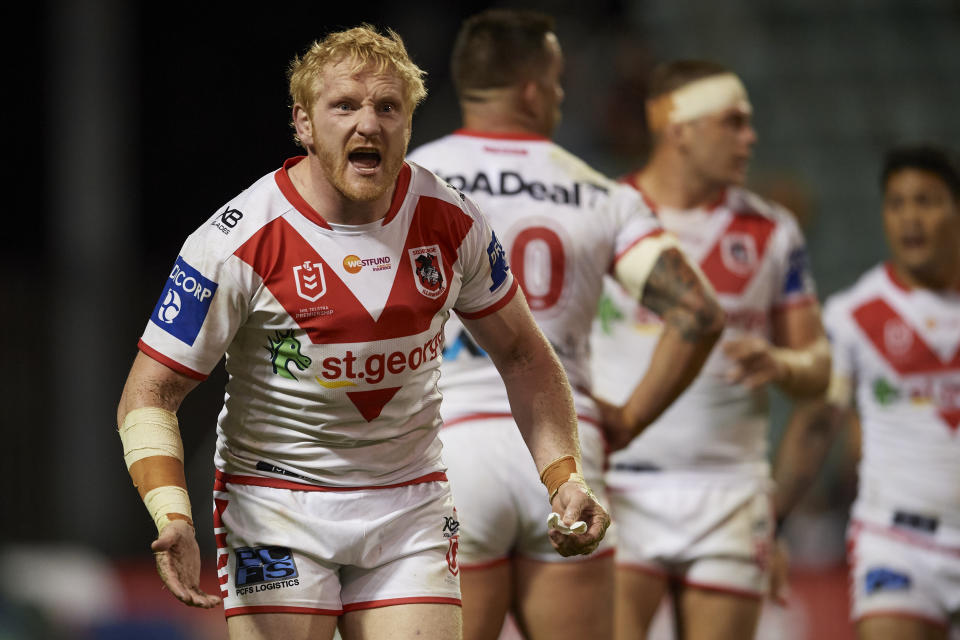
column 184, row 303
column 227, row 220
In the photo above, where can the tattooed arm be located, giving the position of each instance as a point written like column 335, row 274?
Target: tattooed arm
column 693, row 321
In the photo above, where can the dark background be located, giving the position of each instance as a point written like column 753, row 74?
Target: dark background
column 126, row 124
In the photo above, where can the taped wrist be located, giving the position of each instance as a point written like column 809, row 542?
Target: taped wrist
column 153, row 451
column 562, row 470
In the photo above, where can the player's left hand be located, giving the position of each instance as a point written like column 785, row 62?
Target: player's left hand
column 616, row 431
column 178, row 563
column 575, row 501
column 755, row 362
column 779, row 570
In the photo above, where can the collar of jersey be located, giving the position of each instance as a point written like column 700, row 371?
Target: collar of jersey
column 293, row 196
column 903, row 286
column 502, row 135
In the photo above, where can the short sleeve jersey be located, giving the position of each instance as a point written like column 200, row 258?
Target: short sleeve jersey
column 562, row 225
column 753, row 254
column 900, row 347
column 332, row 333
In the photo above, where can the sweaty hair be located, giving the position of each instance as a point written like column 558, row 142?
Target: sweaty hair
column 498, row 48
column 363, row 46
column 936, row 160
column 670, row 76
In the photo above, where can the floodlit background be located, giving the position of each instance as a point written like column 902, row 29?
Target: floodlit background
column 128, row 124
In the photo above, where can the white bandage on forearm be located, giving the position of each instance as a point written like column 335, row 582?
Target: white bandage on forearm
column 146, row 433
column 150, row 431
column 164, row 500
column 698, row 98
column 634, row 267
column 840, row 391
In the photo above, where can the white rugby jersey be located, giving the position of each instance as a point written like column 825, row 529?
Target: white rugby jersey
column 900, row 347
column 333, row 333
column 562, row 224
column 753, row 254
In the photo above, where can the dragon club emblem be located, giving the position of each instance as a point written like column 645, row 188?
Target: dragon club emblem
column 427, row 264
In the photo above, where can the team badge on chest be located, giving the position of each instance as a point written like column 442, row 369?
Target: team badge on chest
column 309, row 279
column 739, row 253
column 427, row 264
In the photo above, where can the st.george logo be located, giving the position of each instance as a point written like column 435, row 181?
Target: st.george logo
column 427, row 264
column 309, row 278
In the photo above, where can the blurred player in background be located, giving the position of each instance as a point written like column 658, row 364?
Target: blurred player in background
column 327, row 284
column 896, row 356
column 692, row 494
column 563, row 226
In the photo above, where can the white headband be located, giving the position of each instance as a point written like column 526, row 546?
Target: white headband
column 699, row 98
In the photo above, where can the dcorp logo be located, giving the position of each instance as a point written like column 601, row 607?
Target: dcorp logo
column 170, row 307
column 184, row 303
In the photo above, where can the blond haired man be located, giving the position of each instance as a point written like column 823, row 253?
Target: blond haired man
column 327, row 284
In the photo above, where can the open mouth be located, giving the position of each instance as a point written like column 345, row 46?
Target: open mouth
column 913, row 242
column 364, row 159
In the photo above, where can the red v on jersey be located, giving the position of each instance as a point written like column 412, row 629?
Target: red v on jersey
column 371, row 403
column 738, row 252
column 277, row 250
column 902, row 347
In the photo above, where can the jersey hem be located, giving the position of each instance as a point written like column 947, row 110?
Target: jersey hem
column 493, row 415
column 496, row 306
column 170, row 362
column 222, row 479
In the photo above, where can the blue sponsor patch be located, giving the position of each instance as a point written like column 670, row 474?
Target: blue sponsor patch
column 184, row 303
column 498, row 262
column 797, row 268
column 882, row 579
column 264, row 564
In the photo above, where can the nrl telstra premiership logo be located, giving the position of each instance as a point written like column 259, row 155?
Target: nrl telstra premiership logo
column 309, row 279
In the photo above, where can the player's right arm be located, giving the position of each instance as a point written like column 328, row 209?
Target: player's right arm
column 542, row 405
column 664, row 281
column 153, row 451
column 815, row 423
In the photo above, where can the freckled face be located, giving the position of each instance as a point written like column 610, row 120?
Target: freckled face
column 359, row 129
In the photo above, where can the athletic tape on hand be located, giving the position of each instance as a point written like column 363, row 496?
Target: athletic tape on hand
column 554, row 522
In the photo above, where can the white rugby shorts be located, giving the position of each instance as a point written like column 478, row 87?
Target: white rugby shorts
column 286, row 547
column 502, row 504
column 900, row 573
column 707, row 532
